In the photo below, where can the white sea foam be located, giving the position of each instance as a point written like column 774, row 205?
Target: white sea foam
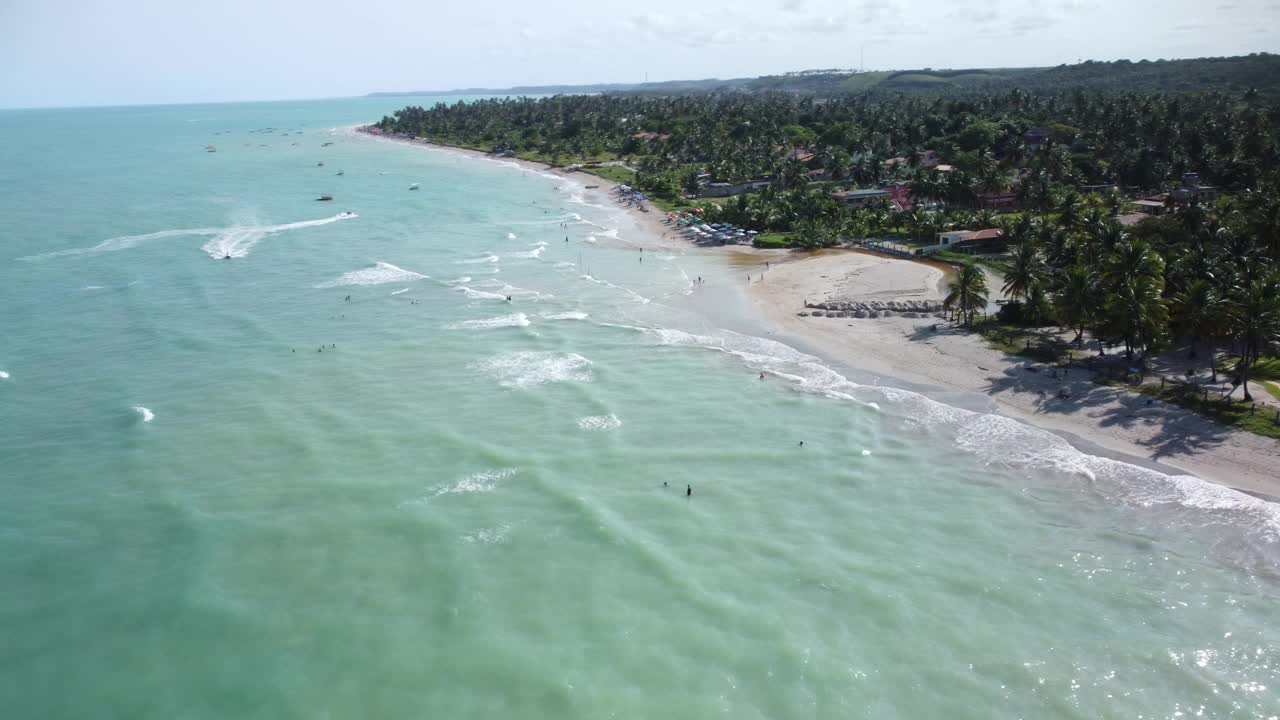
column 511, row 236
column 489, row 258
column 591, row 238
column 459, row 281
column 4, row 375
column 570, row 315
column 488, row 536
column 480, row 482
column 866, row 452
column 401, row 290
column 235, row 241
column 512, row 320
column 477, row 483
column 506, row 290
column 540, row 243
column 147, row 415
column 376, row 274
column 634, row 295
column 999, row 440
column 536, row 252
column 530, row 368
column 600, row 422
column 480, row 294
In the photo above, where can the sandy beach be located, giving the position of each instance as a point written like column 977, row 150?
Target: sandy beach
column 952, row 359
column 901, row 350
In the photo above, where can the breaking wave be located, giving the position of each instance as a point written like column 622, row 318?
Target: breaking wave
column 1004, row 441
column 147, row 415
column 489, row 258
column 531, row 368
column 600, row 422
column 480, row 482
column 480, row 294
column 512, row 320
column 535, row 253
column 376, row 274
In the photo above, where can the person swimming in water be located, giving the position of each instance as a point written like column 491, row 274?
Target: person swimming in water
column 508, row 298
column 227, row 256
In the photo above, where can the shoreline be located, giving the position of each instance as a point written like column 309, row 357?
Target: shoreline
column 1095, row 419
column 952, row 366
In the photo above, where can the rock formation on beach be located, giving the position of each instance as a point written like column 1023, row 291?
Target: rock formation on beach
column 874, row 309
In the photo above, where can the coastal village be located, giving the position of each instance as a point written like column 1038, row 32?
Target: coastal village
column 1127, row 241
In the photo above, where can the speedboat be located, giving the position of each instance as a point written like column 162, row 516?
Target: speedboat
column 323, row 198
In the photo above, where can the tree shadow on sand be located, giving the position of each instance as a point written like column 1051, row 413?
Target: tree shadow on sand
column 1066, row 392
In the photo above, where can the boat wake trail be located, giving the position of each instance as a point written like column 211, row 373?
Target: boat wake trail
column 235, row 241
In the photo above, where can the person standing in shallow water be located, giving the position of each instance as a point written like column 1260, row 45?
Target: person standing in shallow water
column 688, row 492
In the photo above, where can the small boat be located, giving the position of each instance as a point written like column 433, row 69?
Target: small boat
column 340, row 172
column 324, row 198
column 210, row 148
column 413, row 186
column 320, row 164
column 326, row 144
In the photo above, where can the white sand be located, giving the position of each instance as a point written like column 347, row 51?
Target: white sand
column 952, row 359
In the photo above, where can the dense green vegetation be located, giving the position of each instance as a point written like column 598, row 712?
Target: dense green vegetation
column 1259, row 71
column 1208, row 273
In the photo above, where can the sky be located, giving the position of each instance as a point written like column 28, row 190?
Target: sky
column 56, row 53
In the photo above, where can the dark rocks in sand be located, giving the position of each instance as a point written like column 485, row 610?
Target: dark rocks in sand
column 819, row 313
column 803, row 314
column 878, row 308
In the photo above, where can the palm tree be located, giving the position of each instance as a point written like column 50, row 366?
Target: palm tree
column 1196, row 312
column 1076, row 300
column 968, row 293
column 1254, row 312
column 1069, row 209
column 1134, row 276
column 1026, row 269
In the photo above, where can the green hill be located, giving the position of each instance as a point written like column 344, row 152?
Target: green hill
column 1260, row 71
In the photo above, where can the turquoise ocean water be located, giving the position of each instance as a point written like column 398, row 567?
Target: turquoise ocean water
column 465, row 507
